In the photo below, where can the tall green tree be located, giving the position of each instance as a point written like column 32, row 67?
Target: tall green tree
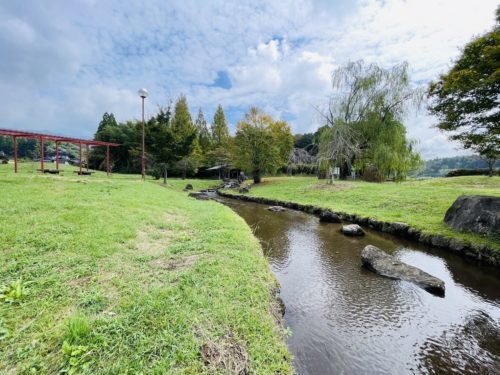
column 262, row 143
column 466, row 99
column 184, row 131
column 108, row 119
column 161, row 143
column 221, row 143
column 126, row 157
column 204, row 138
column 364, row 128
column 219, row 128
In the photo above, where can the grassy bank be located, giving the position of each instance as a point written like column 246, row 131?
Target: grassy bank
column 114, row 276
column 421, row 204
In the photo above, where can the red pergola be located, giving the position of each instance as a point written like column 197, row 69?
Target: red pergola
column 57, row 139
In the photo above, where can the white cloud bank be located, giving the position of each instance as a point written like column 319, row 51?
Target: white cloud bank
column 65, row 63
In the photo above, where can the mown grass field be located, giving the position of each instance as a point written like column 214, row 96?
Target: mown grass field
column 422, row 203
column 115, row 276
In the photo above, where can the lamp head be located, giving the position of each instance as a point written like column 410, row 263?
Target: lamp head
column 143, row 93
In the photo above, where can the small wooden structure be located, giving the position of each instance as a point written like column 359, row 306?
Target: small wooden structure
column 224, row 171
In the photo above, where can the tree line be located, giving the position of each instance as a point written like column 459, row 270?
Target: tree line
column 440, row 167
column 175, row 144
column 362, row 131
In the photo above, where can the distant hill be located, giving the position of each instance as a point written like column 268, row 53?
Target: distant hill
column 440, row 167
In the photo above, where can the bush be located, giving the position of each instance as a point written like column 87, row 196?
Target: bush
column 472, row 172
column 300, row 169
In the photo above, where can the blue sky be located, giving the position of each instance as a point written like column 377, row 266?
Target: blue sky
column 65, row 63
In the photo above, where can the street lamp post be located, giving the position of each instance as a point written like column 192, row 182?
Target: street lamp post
column 143, row 93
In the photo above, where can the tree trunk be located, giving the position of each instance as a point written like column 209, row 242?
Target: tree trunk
column 256, row 177
column 183, row 164
column 491, row 163
column 165, row 176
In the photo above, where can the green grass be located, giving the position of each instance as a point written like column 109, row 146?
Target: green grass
column 119, row 276
column 422, row 204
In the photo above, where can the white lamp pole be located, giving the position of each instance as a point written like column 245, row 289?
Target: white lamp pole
column 143, row 93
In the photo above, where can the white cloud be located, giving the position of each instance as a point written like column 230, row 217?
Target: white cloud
column 65, row 63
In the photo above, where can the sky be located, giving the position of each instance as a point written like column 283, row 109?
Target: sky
column 64, row 63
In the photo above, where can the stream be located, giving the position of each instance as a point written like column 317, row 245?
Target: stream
column 345, row 319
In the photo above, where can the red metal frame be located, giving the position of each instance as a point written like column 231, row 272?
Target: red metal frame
column 14, row 141
column 42, row 156
column 57, row 155
column 107, row 160
column 57, row 139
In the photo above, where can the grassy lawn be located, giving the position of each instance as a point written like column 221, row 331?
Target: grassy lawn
column 422, row 204
column 114, row 276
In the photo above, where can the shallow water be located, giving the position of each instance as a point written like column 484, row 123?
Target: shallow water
column 347, row 320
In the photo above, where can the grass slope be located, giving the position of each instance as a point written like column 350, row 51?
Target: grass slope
column 421, row 204
column 118, row 276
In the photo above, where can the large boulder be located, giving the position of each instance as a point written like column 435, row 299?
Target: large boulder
column 352, row 230
column 329, row 217
column 386, row 265
column 475, row 213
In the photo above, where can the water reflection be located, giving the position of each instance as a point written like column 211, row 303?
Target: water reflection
column 347, row 320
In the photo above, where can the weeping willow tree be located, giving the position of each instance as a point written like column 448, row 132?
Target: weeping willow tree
column 364, row 122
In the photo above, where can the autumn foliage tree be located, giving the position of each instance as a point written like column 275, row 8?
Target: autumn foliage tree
column 262, row 144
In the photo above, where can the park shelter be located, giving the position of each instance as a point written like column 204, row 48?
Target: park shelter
column 224, row 171
column 57, row 139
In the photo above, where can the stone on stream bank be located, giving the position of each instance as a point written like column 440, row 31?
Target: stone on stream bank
column 352, row 230
column 475, row 213
column 386, row 265
column 329, row 217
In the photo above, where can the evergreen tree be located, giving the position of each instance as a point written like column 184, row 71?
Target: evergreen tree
column 184, row 131
column 203, row 133
column 161, row 143
column 108, row 119
column 220, row 131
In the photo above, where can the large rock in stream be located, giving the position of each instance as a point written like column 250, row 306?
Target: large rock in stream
column 475, row 213
column 352, row 230
column 386, row 265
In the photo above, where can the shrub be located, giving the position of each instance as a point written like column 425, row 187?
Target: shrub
column 471, row 172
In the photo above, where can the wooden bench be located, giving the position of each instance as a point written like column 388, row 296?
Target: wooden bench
column 84, row 173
